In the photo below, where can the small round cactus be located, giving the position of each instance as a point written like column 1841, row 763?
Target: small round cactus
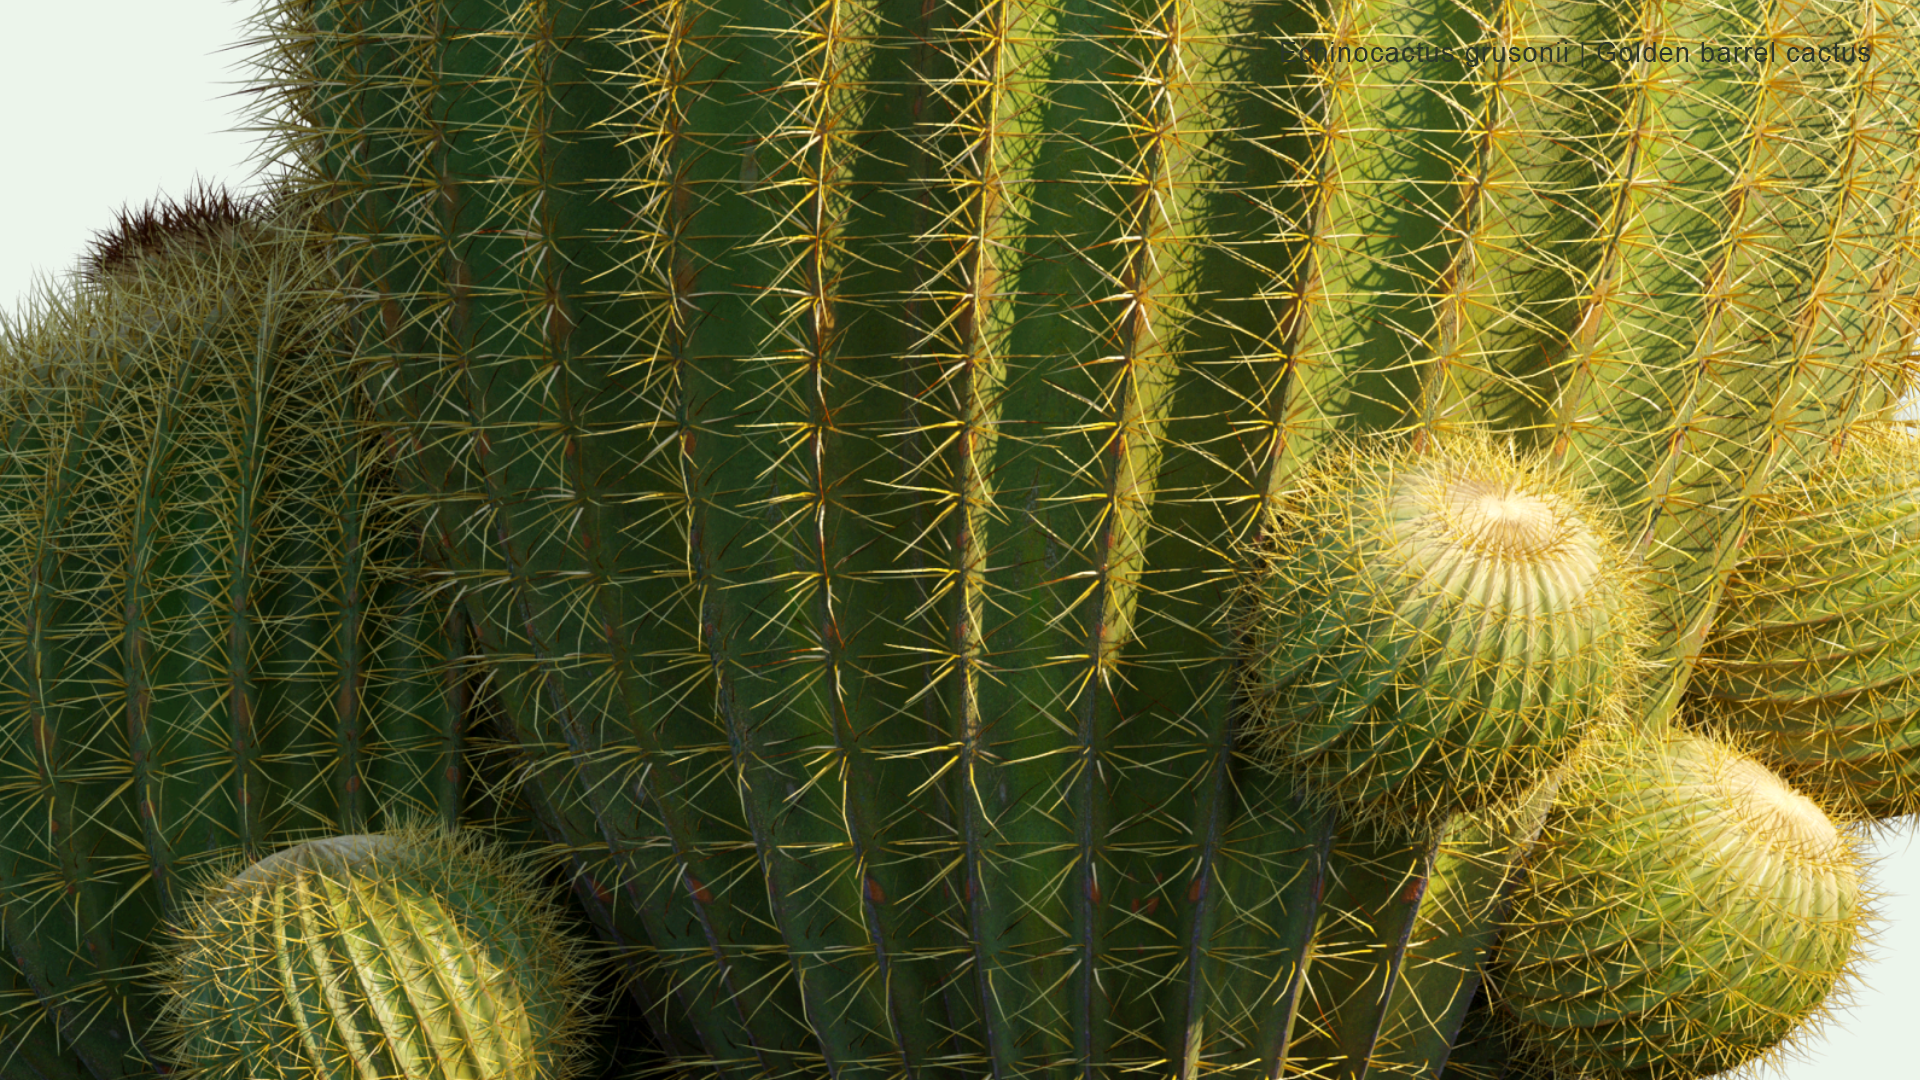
column 1687, row 912
column 1815, row 659
column 1436, row 631
column 409, row 955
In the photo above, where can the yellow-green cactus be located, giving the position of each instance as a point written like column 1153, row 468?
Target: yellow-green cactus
column 1435, row 632
column 1686, row 911
column 414, row 954
column 1815, row 657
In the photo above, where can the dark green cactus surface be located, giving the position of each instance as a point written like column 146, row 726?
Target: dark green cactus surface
column 213, row 639
column 849, row 427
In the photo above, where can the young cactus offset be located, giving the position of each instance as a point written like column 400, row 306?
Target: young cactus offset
column 415, row 954
column 1438, row 630
column 1686, row 912
column 1815, row 660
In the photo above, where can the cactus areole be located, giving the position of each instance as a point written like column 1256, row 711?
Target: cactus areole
column 412, row 955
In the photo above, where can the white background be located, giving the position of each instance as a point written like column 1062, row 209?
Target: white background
column 115, row 101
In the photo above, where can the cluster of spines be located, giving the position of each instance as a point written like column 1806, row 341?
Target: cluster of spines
column 1687, row 912
column 1814, row 658
column 206, row 217
column 1437, row 630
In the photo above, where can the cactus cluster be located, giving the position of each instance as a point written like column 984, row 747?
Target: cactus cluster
column 214, row 635
column 1026, row 538
column 1687, row 911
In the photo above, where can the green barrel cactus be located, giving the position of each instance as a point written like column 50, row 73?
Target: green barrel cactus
column 1686, row 912
column 847, row 428
column 412, row 954
column 1814, row 659
column 1435, row 634
column 215, row 638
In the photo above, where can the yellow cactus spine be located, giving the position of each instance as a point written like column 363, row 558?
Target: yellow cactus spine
column 416, row 954
column 1437, row 631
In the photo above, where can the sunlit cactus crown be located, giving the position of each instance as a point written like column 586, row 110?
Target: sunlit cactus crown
column 1814, row 657
column 1687, row 911
column 1437, row 630
column 414, row 954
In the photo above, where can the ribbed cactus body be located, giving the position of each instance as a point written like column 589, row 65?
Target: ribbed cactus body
column 1685, row 912
column 407, row 955
column 1436, row 632
column 850, row 426
column 213, row 632
column 1815, row 659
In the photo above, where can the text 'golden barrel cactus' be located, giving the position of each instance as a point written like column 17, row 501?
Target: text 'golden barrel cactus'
column 410, row 955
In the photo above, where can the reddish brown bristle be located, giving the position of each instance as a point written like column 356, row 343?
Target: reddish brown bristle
column 196, row 218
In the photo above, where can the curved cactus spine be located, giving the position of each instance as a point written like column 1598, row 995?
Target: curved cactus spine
column 412, row 954
column 213, row 635
column 850, row 425
column 1687, row 911
column 1814, row 661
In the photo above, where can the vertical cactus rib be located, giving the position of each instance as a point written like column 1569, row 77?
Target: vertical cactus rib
column 1128, row 304
column 144, row 613
column 1691, row 335
column 1538, row 117
column 794, row 554
column 1364, row 215
column 53, row 866
column 978, row 146
column 1860, row 312
column 1377, row 884
column 1475, row 867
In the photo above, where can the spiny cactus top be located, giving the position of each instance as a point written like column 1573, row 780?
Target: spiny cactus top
column 167, row 230
column 1436, row 631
